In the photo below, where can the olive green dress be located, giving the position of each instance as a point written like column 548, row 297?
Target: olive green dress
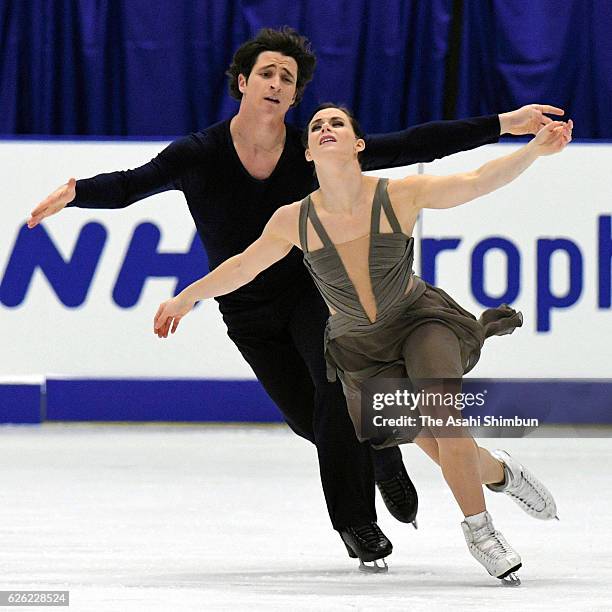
column 358, row 348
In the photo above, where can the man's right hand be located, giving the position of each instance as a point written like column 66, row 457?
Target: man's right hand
column 53, row 203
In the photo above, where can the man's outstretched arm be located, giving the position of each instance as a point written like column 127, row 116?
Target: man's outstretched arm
column 277, row 239
column 122, row 188
column 437, row 139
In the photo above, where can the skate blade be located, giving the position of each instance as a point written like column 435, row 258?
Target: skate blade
column 374, row 568
column 511, row 580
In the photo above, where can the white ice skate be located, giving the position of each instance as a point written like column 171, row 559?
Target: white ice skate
column 489, row 548
column 524, row 488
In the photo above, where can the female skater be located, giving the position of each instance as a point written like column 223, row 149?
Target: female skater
column 355, row 232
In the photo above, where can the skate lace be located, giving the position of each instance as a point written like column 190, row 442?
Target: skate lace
column 528, row 493
column 369, row 533
column 492, row 544
column 395, row 488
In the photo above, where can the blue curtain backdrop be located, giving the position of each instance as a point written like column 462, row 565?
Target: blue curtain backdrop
column 147, row 68
column 516, row 52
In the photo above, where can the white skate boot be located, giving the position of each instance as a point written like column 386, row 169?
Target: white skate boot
column 524, row 488
column 489, row 547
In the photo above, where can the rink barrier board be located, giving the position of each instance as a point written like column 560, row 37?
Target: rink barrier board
column 21, row 403
column 190, row 400
column 91, row 279
column 559, row 401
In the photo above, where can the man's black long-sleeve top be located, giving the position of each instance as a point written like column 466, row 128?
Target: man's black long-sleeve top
column 230, row 208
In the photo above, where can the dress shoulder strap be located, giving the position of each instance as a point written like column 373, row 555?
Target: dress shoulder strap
column 381, row 197
column 317, row 225
column 303, row 223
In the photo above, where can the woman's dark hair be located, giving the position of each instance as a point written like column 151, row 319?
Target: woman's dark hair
column 286, row 41
column 354, row 123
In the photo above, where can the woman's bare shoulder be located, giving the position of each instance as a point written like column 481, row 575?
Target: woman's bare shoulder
column 285, row 222
column 289, row 213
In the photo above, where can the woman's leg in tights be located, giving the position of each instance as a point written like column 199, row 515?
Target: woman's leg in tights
column 491, row 470
column 433, row 363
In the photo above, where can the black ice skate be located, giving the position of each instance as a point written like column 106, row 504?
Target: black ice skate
column 400, row 497
column 368, row 543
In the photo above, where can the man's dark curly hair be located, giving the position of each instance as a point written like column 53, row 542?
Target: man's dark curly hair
column 286, row 41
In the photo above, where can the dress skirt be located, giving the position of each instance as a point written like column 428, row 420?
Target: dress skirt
column 390, row 348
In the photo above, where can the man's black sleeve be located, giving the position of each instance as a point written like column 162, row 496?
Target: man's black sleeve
column 163, row 173
column 428, row 141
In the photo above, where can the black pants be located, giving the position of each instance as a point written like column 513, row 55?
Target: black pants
column 282, row 341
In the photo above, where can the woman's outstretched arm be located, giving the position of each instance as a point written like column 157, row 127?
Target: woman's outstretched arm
column 456, row 189
column 273, row 244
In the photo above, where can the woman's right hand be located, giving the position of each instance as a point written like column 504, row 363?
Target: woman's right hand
column 169, row 315
column 53, row 203
column 553, row 137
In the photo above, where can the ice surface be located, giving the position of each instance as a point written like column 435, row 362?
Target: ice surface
column 168, row 518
